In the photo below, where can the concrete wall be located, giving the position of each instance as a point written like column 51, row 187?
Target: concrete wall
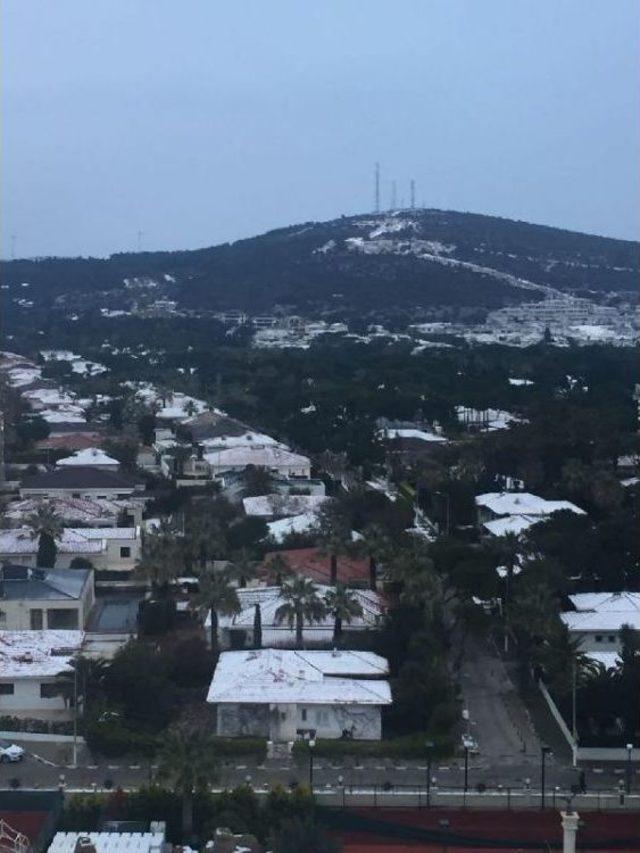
column 18, row 613
column 284, row 721
column 27, row 702
column 609, row 641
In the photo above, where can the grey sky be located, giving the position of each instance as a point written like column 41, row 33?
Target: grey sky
column 199, row 121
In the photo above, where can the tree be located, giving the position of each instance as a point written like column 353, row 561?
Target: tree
column 257, row 627
column 335, row 535
column 218, row 596
column 378, row 546
column 47, row 527
column 206, row 539
column 188, row 760
column 243, row 567
column 301, row 603
column 162, row 556
column 344, row 606
column 279, row 569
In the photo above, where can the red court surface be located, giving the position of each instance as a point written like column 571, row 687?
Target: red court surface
column 412, row 830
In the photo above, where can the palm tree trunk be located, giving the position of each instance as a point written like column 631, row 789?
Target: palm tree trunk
column 298, row 630
column 214, row 634
column 187, row 816
column 373, row 573
column 337, row 628
column 334, row 569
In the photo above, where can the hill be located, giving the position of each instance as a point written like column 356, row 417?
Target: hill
column 370, row 263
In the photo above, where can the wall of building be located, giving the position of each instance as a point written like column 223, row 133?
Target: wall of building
column 598, row 641
column 26, row 700
column 18, row 614
column 286, row 722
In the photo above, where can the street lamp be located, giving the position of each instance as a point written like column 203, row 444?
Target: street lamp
column 428, row 745
column 466, row 767
column 629, row 768
column 544, row 751
column 312, row 744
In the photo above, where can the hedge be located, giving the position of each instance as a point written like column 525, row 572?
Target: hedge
column 410, row 746
column 28, row 724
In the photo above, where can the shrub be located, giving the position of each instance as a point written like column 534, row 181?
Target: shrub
column 411, row 746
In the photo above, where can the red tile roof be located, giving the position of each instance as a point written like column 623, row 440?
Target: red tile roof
column 310, row 563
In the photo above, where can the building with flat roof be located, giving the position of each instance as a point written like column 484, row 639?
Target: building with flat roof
column 285, row 694
column 598, row 617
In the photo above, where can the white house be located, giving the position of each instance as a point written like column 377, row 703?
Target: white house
column 33, row 599
column 283, row 527
column 30, row 662
column 92, row 457
column 112, row 548
column 237, row 630
column 277, row 505
column 285, row 694
column 502, row 512
column 598, row 618
column 77, row 511
column 282, row 462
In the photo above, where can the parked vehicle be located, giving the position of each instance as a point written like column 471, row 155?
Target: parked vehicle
column 10, row 754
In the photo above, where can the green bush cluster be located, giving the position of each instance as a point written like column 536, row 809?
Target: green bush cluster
column 23, row 724
column 411, row 746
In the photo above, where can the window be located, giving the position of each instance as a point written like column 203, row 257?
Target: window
column 7, row 689
column 303, row 714
column 49, row 691
column 598, row 638
column 611, row 638
column 62, row 618
column 125, row 552
column 36, row 620
column 76, row 495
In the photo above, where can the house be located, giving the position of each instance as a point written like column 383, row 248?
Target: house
column 272, row 458
column 597, row 618
column 36, row 599
column 30, row 663
column 91, row 457
column 74, row 512
column 305, row 523
column 236, row 631
column 82, row 482
column 313, row 564
column 284, row 694
column 148, row 459
column 503, row 512
column 106, row 548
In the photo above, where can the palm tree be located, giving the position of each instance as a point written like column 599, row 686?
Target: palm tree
column 47, row 527
column 188, row 760
column 335, row 536
column 301, row 602
column 205, row 537
column 190, row 408
column 243, row 566
column 344, row 606
column 217, row 595
column 378, row 546
column 279, row 568
column 162, row 557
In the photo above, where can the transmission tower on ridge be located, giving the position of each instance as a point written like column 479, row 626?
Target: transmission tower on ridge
column 377, row 188
column 413, row 194
column 393, row 195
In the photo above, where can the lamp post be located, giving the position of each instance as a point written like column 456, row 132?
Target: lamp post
column 429, row 744
column 544, row 751
column 75, row 712
column 312, row 744
column 466, row 768
column 629, row 768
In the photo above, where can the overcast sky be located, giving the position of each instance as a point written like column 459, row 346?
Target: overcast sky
column 198, row 122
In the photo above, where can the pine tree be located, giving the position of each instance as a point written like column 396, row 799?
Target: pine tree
column 257, row 627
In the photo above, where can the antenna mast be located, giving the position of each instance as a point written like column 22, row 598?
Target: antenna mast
column 377, row 188
column 393, row 195
column 413, row 194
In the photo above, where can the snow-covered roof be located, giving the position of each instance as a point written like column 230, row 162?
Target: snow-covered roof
column 37, row 654
column 603, row 611
column 419, row 434
column 276, row 504
column 63, row 416
column 21, row 376
column 49, row 396
column 517, row 382
column 609, row 660
column 73, row 540
column 511, row 524
column 278, row 676
column 281, row 676
column 261, row 457
column 269, row 598
column 90, row 456
column 247, row 439
column 84, row 510
column 283, row 527
column 523, row 503
column 110, row 842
